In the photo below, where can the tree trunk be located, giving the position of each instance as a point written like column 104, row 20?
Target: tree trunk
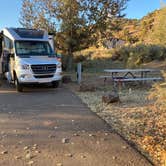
column 69, row 60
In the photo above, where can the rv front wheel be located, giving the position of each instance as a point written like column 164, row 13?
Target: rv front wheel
column 55, row 84
column 18, row 86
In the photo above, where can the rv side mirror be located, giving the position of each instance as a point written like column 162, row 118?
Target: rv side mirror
column 58, row 55
column 11, row 55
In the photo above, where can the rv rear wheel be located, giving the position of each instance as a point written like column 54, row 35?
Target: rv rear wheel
column 18, row 86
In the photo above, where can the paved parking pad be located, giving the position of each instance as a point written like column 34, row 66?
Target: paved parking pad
column 52, row 127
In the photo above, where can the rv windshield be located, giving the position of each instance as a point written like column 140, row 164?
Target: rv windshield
column 33, row 48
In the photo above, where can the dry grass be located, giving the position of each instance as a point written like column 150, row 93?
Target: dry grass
column 93, row 53
column 155, row 64
column 135, row 119
column 140, row 117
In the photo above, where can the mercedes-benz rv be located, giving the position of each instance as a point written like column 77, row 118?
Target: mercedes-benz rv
column 26, row 57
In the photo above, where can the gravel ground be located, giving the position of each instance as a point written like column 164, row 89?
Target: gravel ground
column 134, row 119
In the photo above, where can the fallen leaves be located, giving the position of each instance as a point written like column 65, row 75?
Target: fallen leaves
column 136, row 118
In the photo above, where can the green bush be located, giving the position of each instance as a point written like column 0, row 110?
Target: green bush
column 133, row 56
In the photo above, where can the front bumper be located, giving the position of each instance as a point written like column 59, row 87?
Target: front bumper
column 30, row 78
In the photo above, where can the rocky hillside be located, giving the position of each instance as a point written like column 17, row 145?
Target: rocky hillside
column 133, row 30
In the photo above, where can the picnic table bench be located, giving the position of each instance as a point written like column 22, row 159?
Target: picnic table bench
column 130, row 75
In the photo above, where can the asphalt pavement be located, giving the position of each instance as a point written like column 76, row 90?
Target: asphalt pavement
column 52, row 127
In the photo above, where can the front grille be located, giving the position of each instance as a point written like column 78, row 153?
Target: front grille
column 44, row 68
column 43, row 76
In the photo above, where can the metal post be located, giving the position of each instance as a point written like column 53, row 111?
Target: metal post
column 79, row 72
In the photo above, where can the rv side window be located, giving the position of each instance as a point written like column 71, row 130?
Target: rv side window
column 8, row 44
column 1, row 44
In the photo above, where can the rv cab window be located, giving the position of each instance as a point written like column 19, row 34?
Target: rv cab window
column 33, row 48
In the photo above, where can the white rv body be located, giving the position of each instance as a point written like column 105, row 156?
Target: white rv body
column 28, row 58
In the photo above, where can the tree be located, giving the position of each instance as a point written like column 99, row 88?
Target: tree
column 38, row 14
column 72, row 28
column 77, row 20
column 102, row 15
column 98, row 15
column 27, row 14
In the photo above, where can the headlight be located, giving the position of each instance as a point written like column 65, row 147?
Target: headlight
column 25, row 67
column 59, row 65
column 25, row 76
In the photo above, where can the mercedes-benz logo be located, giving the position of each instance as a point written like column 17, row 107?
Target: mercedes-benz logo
column 45, row 68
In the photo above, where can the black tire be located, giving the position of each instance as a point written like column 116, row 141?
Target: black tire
column 55, row 84
column 18, row 86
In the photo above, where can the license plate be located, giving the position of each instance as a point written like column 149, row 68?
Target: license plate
column 44, row 80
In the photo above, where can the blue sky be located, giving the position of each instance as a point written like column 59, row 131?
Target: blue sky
column 10, row 10
column 9, row 13
column 140, row 8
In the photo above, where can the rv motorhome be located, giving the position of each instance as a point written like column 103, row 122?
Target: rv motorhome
column 26, row 57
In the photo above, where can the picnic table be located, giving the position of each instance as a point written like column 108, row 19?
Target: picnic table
column 129, row 75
